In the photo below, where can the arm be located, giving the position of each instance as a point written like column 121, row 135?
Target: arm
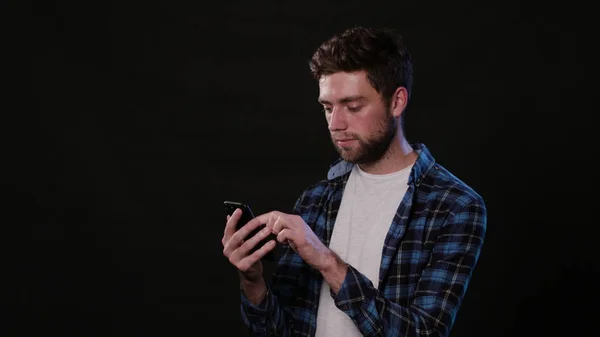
column 263, row 306
column 438, row 294
column 270, row 317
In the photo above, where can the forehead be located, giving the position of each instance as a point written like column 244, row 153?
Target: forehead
column 339, row 85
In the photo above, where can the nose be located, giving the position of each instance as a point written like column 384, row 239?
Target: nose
column 337, row 120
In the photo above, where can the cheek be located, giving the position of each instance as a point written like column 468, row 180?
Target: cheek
column 375, row 123
column 364, row 127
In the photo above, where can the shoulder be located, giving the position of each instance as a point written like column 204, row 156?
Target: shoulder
column 442, row 191
column 441, row 183
column 319, row 192
column 314, row 194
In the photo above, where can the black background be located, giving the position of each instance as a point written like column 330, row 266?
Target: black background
column 143, row 117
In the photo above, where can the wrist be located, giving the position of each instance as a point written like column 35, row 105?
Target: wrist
column 332, row 263
column 254, row 289
column 329, row 262
column 333, row 270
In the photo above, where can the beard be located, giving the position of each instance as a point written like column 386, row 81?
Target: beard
column 372, row 148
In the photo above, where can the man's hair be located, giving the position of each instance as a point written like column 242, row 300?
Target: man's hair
column 378, row 51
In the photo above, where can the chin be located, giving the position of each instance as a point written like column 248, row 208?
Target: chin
column 350, row 157
column 354, row 155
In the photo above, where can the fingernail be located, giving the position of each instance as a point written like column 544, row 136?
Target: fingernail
column 266, row 230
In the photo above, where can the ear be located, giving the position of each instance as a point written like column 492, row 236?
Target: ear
column 399, row 101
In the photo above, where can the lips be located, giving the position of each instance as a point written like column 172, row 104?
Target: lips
column 344, row 142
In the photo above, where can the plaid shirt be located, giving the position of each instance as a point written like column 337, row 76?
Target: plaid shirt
column 428, row 257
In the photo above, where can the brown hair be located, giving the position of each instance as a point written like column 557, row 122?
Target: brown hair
column 378, row 51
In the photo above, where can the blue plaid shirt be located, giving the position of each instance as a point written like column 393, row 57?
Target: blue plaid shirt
column 428, row 257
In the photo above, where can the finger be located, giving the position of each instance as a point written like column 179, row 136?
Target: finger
column 244, row 249
column 238, row 238
column 246, row 262
column 285, row 235
column 280, row 224
column 225, row 230
column 230, row 226
column 227, row 233
column 264, row 218
column 272, row 218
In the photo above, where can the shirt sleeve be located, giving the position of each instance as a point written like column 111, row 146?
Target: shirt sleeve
column 439, row 291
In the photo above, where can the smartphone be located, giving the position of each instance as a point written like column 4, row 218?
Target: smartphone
column 247, row 215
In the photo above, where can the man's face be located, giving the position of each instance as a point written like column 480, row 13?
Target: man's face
column 361, row 125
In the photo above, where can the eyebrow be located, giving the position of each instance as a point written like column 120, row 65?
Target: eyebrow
column 345, row 100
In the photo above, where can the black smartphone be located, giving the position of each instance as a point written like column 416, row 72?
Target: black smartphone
column 247, row 215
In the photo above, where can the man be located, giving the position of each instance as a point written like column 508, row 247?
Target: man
column 386, row 245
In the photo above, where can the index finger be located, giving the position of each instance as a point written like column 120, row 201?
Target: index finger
column 264, row 218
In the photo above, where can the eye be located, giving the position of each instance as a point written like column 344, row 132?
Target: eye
column 326, row 109
column 354, row 108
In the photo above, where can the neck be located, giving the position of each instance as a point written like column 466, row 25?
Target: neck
column 398, row 156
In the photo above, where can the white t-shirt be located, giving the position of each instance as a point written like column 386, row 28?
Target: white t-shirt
column 368, row 206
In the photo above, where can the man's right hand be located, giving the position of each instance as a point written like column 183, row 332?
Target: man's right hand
column 236, row 248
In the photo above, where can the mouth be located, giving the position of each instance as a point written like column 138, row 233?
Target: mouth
column 344, row 142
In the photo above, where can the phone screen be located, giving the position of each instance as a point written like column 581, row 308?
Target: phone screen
column 247, row 215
